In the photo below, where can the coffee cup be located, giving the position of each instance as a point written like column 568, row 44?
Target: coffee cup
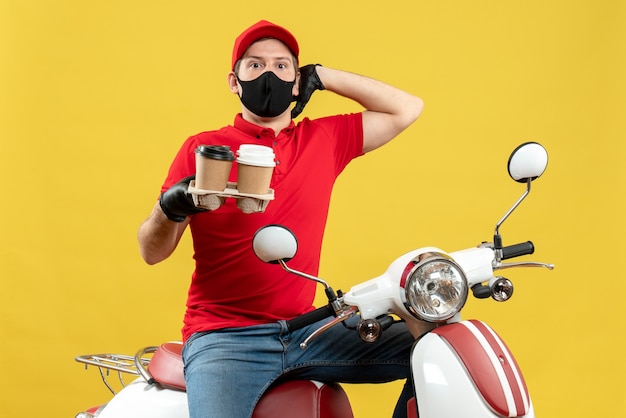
column 213, row 166
column 255, row 167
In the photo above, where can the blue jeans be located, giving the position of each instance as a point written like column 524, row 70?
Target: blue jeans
column 227, row 371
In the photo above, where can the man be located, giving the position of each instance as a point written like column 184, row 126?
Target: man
column 236, row 340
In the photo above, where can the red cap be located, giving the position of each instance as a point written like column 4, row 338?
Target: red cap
column 263, row 29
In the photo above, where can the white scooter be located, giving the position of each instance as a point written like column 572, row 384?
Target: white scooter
column 460, row 368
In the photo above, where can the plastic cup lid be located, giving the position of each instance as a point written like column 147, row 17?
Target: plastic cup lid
column 256, row 162
column 258, row 155
column 216, row 152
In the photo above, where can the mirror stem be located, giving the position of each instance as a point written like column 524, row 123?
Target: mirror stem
column 330, row 293
column 497, row 239
column 301, row 274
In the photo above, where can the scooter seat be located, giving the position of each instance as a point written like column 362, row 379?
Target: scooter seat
column 304, row 399
column 166, row 366
column 289, row 398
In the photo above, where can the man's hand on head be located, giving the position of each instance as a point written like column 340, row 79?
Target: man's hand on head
column 309, row 82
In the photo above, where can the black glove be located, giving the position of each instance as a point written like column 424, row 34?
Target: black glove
column 309, row 82
column 177, row 203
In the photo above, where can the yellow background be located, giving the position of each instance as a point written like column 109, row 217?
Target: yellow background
column 96, row 98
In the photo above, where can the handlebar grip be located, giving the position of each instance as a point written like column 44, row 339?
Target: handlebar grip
column 516, row 250
column 310, row 318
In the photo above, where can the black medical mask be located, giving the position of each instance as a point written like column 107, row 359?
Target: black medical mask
column 267, row 95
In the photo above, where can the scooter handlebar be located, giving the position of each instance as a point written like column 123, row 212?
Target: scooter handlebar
column 310, row 317
column 517, row 250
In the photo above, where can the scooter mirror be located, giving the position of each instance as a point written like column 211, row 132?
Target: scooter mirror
column 272, row 243
column 527, row 162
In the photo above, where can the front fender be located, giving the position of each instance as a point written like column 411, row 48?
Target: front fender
column 465, row 369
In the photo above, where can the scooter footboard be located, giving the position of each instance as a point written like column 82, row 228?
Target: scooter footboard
column 465, row 369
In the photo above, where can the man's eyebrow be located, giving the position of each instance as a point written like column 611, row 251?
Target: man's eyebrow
column 259, row 57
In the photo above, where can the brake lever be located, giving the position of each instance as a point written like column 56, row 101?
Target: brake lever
column 502, row 266
column 349, row 312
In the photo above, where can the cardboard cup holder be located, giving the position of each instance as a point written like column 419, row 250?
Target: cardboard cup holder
column 214, row 199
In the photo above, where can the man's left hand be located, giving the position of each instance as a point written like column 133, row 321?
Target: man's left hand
column 309, row 82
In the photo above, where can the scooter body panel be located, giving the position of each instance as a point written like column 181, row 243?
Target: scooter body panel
column 464, row 369
column 141, row 400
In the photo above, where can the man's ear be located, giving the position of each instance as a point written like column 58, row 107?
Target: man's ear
column 233, row 84
column 296, row 86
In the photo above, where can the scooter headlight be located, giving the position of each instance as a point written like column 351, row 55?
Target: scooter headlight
column 435, row 287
